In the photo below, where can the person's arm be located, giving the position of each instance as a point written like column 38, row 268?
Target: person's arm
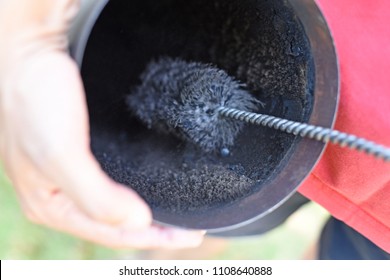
column 44, row 136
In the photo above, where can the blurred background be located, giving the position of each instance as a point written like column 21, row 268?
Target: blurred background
column 19, row 239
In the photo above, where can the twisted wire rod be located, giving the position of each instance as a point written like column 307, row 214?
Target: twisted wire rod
column 310, row 131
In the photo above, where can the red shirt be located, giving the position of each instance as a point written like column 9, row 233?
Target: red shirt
column 352, row 186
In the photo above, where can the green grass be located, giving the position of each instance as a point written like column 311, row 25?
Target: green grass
column 20, row 239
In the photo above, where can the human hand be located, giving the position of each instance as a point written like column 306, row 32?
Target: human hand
column 44, row 137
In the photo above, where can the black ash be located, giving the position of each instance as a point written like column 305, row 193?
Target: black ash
column 258, row 42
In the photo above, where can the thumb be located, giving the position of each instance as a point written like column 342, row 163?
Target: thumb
column 99, row 196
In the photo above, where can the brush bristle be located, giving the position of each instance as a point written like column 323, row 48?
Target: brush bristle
column 182, row 98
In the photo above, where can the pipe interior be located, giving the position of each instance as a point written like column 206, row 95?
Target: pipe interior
column 259, row 42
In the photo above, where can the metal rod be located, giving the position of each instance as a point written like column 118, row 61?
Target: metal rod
column 310, row 131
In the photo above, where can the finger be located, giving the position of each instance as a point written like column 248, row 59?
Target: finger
column 66, row 217
column 46, row 204
column 165, row 238
column 104, row 200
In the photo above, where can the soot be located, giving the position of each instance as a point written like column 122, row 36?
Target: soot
column 259, row 43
